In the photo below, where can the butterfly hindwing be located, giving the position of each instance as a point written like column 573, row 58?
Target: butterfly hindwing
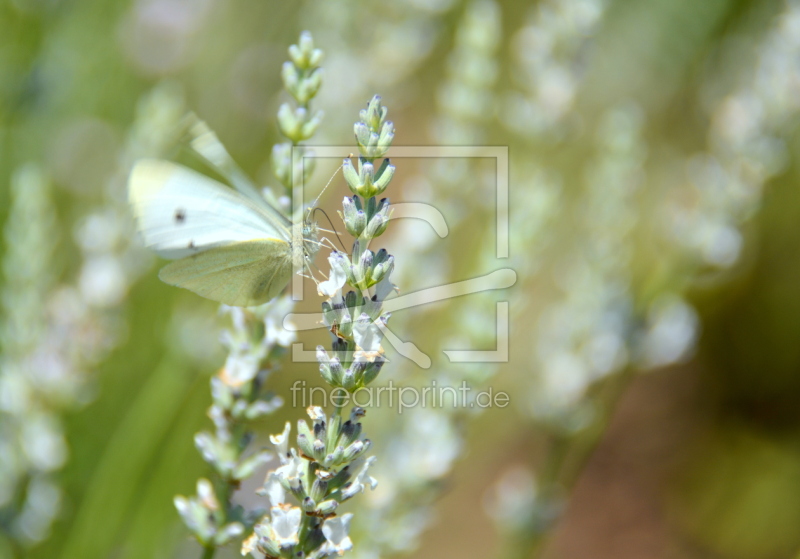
column 241, row 274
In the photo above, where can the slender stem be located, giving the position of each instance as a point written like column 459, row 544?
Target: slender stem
column 529, row 541
column 337, row 410
column 224, row 495
column 208, row 552
column 583, row 446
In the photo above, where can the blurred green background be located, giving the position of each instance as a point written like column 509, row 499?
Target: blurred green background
column 654, row 365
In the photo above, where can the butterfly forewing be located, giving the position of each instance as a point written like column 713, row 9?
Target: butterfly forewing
column 181, row 212
column 207, row 145
column 227, row 246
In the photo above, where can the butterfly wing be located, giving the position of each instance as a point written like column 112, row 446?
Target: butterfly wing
column 181, row 212
column 242, row 274
column 207, row 145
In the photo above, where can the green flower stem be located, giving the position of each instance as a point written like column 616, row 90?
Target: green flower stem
column 337, row 411
column 256, row 342
column 328, row 466
column 583, row 446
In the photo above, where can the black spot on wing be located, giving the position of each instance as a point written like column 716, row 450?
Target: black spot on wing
column 180, row 216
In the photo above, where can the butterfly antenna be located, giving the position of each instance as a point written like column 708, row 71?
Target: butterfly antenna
column 333, row 227
column 333, row 176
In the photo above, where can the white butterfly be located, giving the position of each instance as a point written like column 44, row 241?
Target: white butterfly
column 230, row 246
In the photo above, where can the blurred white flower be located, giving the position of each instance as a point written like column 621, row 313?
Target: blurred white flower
column 281, row 442
column 671, row 331
column 102, row 281
column 510, row 501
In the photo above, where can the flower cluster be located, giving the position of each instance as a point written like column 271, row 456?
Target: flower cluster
column 329, row 465
column 32, row 444
column 722, row 186
column 355, row 319
column 548, row 54
column 464, row 98
column 257, row 340
column 423, row 450
column 302, row 78
column 323, row 472
column 255, row 343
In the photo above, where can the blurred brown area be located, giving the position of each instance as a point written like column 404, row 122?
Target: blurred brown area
column 701, row 460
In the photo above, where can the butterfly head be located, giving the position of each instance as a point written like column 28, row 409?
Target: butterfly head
column 305, row 243
column 310, row 239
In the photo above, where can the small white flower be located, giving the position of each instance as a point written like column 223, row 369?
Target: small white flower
column 281, row 442
column 102, row 280
column 249, row 545
column 332, row 287
column 363, row 476
column 336, row 531
column 316, row 413
column 237, row 316
column 292, row 468
column 384, row 288
column 368, row 338
column 275, row 323
column 367, row 335
column 205, row 491
column 285, row 525
column 361, row 480
column 274, row 490
column 241, row 368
